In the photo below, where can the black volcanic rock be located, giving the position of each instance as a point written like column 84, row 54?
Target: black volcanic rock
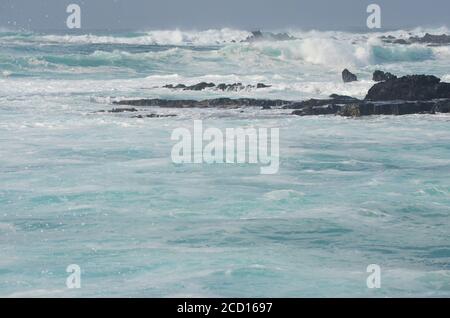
column 348, row 76
column 412, row 88
column 317, row 110
column 442, row 106
column 380, row 76
column 366, row 108
column 401, row 41
column 122, row 110
column 388, row 108
column 179, row 86
column 311, row 103
column 215, row 103
column 199, row 87
column 232, row 87
column 414, row 94
column 221, row 87
column 153, row 116
column 431, row 39
column 269, row 36
column 256, row 35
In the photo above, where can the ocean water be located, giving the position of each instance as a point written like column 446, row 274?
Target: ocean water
column 100, row 190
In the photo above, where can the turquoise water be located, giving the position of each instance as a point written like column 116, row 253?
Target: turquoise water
column 100, row 190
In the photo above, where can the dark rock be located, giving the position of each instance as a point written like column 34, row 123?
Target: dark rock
column 231, row 87
column 334, row 99
column 342, row 98
column 350, row 110
column 281, row 37
column 199, row 87
column 181, row 103
column 380, row 76
column 442, row 106
column 216, row 102
column 431, row 39
column 268, row 36
column 256, row 35
column 262, row 85
column 412, row 87
column 123, row 110
column 348, row 76
column 388, row 108
column 222, row 87
column 153, row 116
column 415, row 94
column 317, row 110
column 179, row 86
column 401, row 41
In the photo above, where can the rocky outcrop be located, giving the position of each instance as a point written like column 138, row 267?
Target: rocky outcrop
column 222, row 87
column 348, row 76
column 317, row 110
column 414, row 94
column 430, row 39
column 411, row 88
column 171, row 86
column 122, row 110
column 320, row 106
column 388, row 108
column 133, row 110
column 365, row 108
column 197, row 87
column 207, row 103
column 380, row 76
column 154, row 116
column 268, row 36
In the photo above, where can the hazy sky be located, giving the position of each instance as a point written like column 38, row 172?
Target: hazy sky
column 204, row 14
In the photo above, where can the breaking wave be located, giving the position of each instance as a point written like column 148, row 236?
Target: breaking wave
column 221, row 51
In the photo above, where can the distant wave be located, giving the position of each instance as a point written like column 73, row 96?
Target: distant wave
column 330, row 53
column 205, row 37
column 162, row 37
column 308, row 62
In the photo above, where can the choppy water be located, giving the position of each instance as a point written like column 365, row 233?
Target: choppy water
column 101, row 191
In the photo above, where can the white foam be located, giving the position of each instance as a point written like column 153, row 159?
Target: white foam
column 278, row 195
column 157, row 37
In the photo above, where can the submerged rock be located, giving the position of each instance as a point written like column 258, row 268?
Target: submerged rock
column 348, row 76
